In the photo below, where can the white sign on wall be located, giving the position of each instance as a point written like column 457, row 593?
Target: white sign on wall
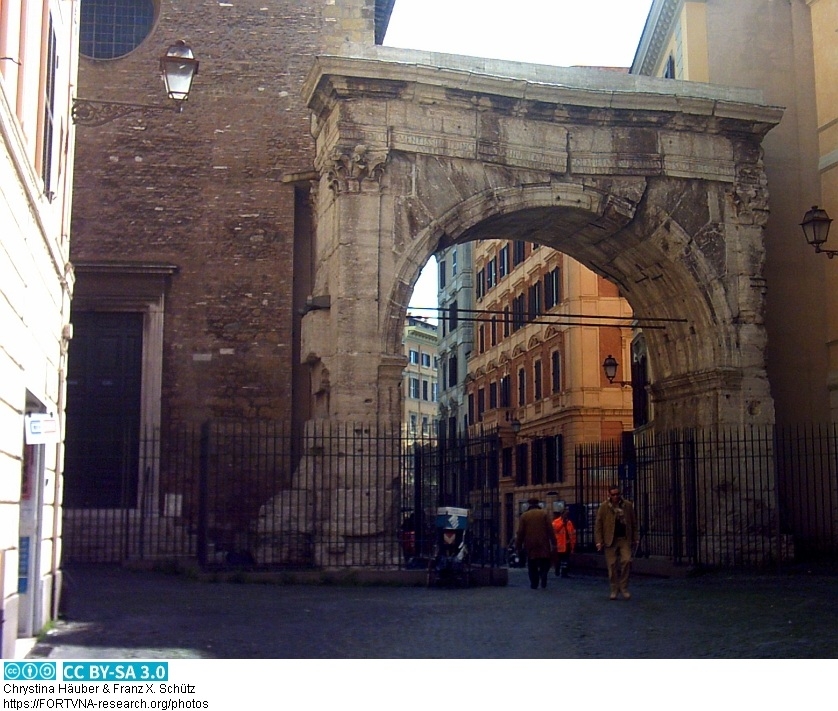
column 41, row 428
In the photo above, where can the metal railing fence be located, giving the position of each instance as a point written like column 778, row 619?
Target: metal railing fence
column 264, row 495
column 720, row 497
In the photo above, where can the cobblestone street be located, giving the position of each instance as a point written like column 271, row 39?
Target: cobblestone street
column 119, row 613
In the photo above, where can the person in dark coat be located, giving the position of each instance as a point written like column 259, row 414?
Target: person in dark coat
column 535, row 537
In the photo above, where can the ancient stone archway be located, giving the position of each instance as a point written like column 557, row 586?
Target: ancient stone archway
column 654, row 184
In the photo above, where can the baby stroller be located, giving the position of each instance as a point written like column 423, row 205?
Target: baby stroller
column 450, row 567
column 513, row 559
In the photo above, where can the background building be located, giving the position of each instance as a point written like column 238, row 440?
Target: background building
column 421, row 394
column 38, row 50
column 546, row 324
column 703, row 41
column 824, row 26
column 456, row 303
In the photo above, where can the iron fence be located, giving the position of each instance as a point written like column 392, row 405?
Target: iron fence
column 266, row 495
column 232, row 494
column 735, row 497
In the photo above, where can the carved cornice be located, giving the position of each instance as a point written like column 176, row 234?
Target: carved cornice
column 358, row 170
column 656, row 34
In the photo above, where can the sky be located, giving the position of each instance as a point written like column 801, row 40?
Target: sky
column 556, row 32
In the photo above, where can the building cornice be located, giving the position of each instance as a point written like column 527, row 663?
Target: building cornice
column 655, row 37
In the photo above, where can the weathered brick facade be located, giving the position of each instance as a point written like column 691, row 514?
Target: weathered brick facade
column 203, row 192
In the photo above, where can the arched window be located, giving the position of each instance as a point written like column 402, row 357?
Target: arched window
column 113, row 28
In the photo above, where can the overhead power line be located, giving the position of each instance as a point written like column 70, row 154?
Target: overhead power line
column 650, row 322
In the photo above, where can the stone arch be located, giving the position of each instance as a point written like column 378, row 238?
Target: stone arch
column 666, row 275
column 662, row 194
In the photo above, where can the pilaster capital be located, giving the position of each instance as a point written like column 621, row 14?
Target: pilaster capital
column 356, row 170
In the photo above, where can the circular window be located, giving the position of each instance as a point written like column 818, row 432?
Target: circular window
column 113, row 28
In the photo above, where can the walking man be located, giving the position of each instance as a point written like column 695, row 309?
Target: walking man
column 535, row 537
column 616, row 532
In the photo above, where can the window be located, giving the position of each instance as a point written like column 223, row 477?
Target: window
column 669, row 69
column 505, row 391
column 537, row 461
column 521, row 465
column 424, row 424
column 522, row 387
column 536, row 379
column 554, row 458
column 506, row 321
column 441, row 273
column 481, row 338
column 426, row 360
column 552, row 288
column 555, row 372
column 519, row 309
column 481, row 284
column 413, row 423
column 414, row 357
column 506, row 462
column 413, row 391
column 47, row 150
column 434, row 392
column 491, row 273
column 503, row 261
column 426, row 393
column 493, row 395
column 452, row 315
column 113, row 28
column 494, row 331
column 453, row 262
column 534, row 301
column 452, row 371
column 481, row 403
column 518, row 252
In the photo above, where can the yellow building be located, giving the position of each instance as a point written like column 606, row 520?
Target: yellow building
column 787, row 50
column 38, row 66
column 825, row 52
column 421, row 395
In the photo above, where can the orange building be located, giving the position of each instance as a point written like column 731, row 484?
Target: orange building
column 544, row 326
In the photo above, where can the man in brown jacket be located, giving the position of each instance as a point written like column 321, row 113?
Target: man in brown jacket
column 535, row 538
column 616, row 532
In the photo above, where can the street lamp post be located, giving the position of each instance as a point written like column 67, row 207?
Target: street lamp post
column 815, row 226
column 610, row 365
column 178, row 68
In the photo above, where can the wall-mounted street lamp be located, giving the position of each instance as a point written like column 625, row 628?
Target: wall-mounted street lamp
column 178, row 68
column 515, row 425
column 816, row 229
column 610, row 365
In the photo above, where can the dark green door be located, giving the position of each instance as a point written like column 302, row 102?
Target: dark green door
column 103, row 410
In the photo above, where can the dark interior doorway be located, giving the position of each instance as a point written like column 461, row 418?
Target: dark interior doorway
column 103, row 410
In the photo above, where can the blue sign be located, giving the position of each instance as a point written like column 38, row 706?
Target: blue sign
column 122, row 671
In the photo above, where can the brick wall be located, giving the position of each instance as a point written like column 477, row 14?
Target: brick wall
column 203, row 190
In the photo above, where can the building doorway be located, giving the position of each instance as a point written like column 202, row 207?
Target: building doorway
column 103, row 410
